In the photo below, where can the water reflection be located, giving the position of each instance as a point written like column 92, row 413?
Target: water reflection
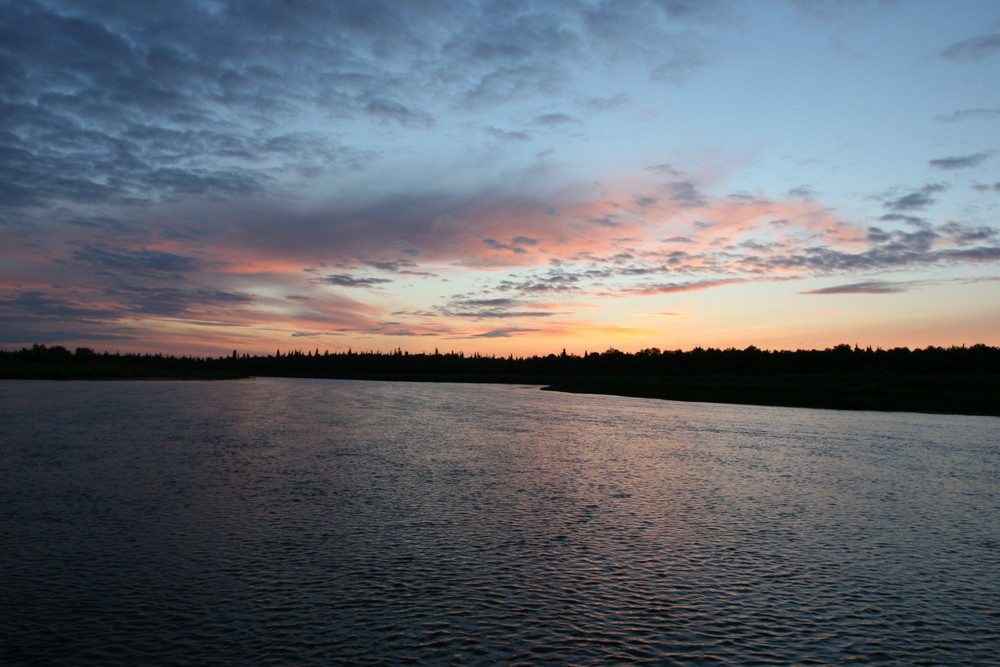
column 310, row 521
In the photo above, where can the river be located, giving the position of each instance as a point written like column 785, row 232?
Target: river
column 293, row 521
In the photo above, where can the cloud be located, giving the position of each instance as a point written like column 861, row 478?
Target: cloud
column 514, row 221
column 104, row 223
column 175, row 302
column 305, row 312
column 405, row 267
column 504, row 53
column 503, row 332
column 38, row 304
column 346, row 280
column 979, row 47
column 672, row 59
column 487, row 314
column 960, row 162
column 969, row 114
column 872, row 287
column 135, row 261
column 665, row 169
column 64, row 314
column 685, row 194
column 608, row 103
column 965, row 234
column 673, row 288
column 979, row 254
column 395, row 266
column 489, row 309
column 51, row 156
column 901, row 217
column 399, row 113
column 886, row 250
column 506, row 136
column 607, row 220
column 920, row 240
column 119, row 105
column 487, row 302
column 246, row 165
column 916, row 200
column 517, row 244
column 553, row 120
column 553, row 280
column 496, row 245
column 804, row 192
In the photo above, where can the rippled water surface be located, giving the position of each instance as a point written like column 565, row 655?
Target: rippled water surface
column 279, row 521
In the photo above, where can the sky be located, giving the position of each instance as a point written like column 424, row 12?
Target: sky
column 498, row 177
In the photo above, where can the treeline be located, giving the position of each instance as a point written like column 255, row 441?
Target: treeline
column 59, row 362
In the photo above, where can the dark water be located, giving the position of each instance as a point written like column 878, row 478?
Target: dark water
column 298, row 522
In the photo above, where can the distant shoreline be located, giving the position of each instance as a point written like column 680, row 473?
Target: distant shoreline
column 956, row 380
column 976, row 395
column 937, row 394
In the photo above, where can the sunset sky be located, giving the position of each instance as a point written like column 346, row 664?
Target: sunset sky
column 198, row 176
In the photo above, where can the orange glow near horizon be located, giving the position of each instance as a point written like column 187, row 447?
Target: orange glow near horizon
column 592, row 186
column 584, row 276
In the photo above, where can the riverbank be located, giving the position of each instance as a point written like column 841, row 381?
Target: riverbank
column 104, row 371
column 943, row 394
column 969, row 393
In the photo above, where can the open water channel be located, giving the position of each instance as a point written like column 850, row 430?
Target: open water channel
column 291, row 521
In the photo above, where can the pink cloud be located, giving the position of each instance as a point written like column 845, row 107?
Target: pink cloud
column 873, row 287
column 674, row 288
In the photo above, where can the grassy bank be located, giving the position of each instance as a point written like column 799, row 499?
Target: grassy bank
column 105, row 371
column 958, row 380
column 947, row 394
